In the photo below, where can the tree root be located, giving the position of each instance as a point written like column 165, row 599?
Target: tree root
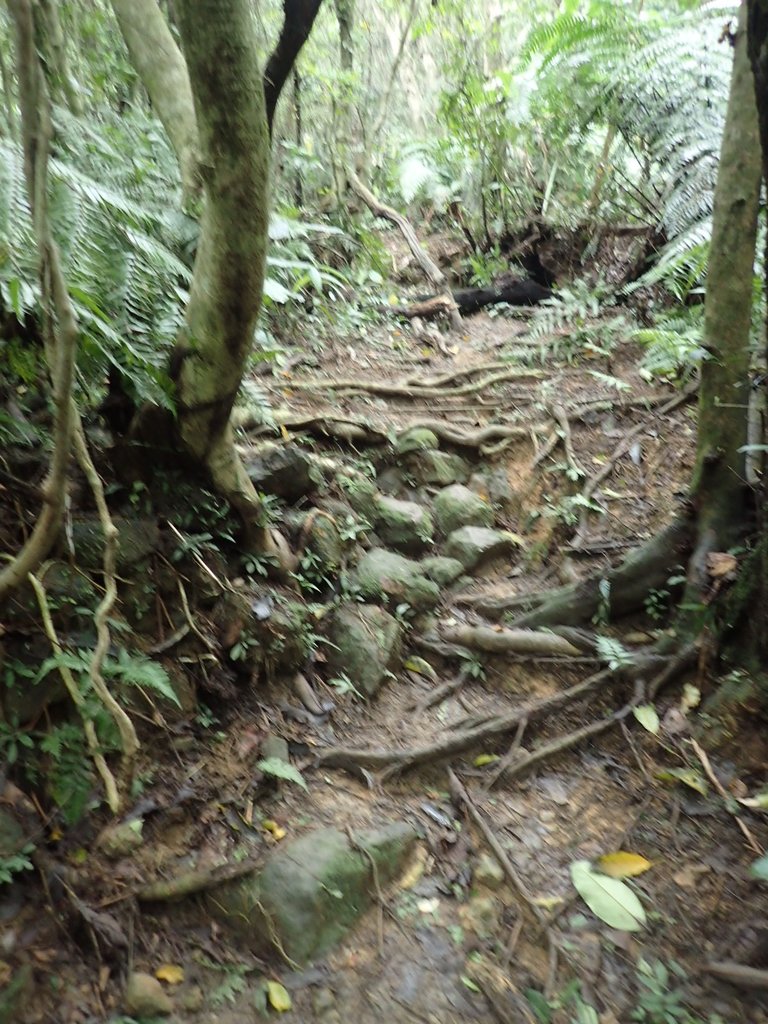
column 393, row 762
column 517, row 641
column 417, row 390
column 167, row 890
column 622, row 590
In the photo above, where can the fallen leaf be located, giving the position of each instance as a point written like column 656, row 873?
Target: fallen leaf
column 623, row 864
column 759, row 868
column 415, row 870
column 547, row 902
column 648, row 717
column 688, row 776
column 608, row 898
column 758, row 802
column 428, row 906
column 484, row 759
column 420, row 667
column 278, row 997
column 688, row 876
column 172, row 974
column 691, row 698
column 281, row 770
column 720, row 564
column 275, row 830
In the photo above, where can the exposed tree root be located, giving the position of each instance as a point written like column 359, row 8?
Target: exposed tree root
column 645, row 568
column 517, row 641
column 167, row 890
column 417, row 390
column 392, row 762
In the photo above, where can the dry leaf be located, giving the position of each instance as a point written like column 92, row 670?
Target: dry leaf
column 687, row 877
column 720, row 564
column 171, row 974
column 623, row 864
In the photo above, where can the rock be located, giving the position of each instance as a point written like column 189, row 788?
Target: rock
column 285, row 470
column 264, row 629
column 366, row 643
column 145, row 996
column 361, row 492
column 313, row 890
column 500, row 492
column 390, row 481
column 275, row 747
column 16, row 993
column 442, row 570
column 435, row 467
column 474, row 546
column 457, row 506
column 403, row 524
column 488, row 872
column 382, row 573
column 415, row 440
column 138, row 539
column 324, row 541
column 122, row 839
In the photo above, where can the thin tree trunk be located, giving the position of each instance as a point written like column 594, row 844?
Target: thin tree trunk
column 719, row 489
column 163, row 71
column 55, row 49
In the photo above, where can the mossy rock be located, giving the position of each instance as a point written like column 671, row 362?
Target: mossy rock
column 458, row 506
column 137, row 540
column 312, row 891
column 285, row 470
column 403, row 524
column 416, row 439
column 265, row 630
column 441, row 569
column 435, row 468
column 365, row 645
column 383, row 574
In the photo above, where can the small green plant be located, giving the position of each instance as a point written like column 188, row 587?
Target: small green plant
column 471, row 666
column 350, row 528
column 343, row 685
column 613, row 653
column 568, row 509
column 660, row 999
column 570, row 999
column 15, row 863
column 12, row 739
column 485, row 267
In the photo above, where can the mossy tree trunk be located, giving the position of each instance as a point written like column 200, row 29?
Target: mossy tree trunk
column 720, row 492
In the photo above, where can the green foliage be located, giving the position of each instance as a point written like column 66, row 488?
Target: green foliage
column 577, row 321
column 660, row 999
column 14, row 863
column 673, row 346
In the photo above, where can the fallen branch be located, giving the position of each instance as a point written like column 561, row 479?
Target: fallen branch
column 167, row 890
column 752, row 843
column 738, row 974
column 433, row 272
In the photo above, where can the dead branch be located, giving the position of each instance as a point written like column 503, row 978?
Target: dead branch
column 738, row 974
column 433, row 272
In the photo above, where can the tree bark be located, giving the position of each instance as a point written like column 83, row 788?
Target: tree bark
column 219, row 42
column 719, row 489
column 299, row 17
column 163, row 71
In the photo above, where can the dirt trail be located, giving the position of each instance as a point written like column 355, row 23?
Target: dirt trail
column 456, row 942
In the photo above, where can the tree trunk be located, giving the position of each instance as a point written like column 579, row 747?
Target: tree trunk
column 53, row 45
column 163, row 71
column 219, row 42
column 719, row 490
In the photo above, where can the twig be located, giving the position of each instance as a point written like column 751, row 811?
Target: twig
column 738, row 974
column 752, row 843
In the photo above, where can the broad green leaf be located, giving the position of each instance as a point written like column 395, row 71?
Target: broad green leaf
column 282, row 770
column 608, row 898
column 648, row 717
column 623, row 864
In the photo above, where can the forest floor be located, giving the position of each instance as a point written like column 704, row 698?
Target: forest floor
column 454, row 940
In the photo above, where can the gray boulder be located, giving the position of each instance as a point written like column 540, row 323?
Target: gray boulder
column 475, row 546
column 385, row 574
column 458, row 506
column 312, row 891
column 366, row 643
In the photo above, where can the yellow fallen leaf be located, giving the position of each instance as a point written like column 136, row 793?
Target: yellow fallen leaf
column 275, row 830
column 278, row 996
column 547, row 902
column 415, row 871
column 483, row 759
column 688, row 776
column 623, row 864
column 420, row 667
column 171, row 974
column 720, row 563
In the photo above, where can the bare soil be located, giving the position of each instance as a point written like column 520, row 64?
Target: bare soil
column 441, row 948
